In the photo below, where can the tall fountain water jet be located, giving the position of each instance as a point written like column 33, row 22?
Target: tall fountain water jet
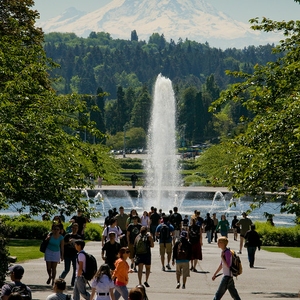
column 162, row 177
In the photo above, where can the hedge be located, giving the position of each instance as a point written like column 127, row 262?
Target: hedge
column 27, row 228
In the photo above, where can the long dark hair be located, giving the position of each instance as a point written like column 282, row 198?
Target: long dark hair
column 103, row 270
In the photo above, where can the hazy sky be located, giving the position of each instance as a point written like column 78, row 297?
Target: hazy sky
column 241, row 10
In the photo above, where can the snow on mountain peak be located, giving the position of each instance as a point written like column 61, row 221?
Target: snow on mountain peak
column 193, row 19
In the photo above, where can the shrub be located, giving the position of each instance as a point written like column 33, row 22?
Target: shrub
column 278, row 236
column 3, row 252
column 34, row 229
column 93, row 232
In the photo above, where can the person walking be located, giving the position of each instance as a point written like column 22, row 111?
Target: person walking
column 195, row 238
column 134, row 179
column 209, row 224
column 80, row 281
column 81, row 221
column 244, row 225
column 54, row 252
column 176, row 221
column 121, row 218
column 120, row 274
column 102, row 284
column 154, row 221
column 182, row 251
column 110, row 250
column 70, row 253
column 58, row 288
column 112, row 227
column 223, row 226
column 142, row 248
column 252, row 242
column 234, row 227
column 214, row 232
column 16, row 273
column 164, row 232
column 227, row 282
column 133, row 230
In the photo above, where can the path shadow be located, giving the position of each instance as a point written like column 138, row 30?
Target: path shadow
column 279, row 295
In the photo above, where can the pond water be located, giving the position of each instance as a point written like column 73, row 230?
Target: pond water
column 186, row 206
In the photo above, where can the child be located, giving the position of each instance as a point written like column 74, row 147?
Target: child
column 227, row 282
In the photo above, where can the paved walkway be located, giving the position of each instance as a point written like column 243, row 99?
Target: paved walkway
column 275, row 276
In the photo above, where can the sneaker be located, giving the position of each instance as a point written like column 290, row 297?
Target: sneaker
column 183, row 286
column 191, row 269
column 163, row 269
column 146, row 284
column 168, row 267
column 239, row 252
column 178, row 285
column 195, row 270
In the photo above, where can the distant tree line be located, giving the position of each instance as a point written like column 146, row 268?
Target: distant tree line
column 117, row 77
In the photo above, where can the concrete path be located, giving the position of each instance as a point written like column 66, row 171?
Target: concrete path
column 275, row 276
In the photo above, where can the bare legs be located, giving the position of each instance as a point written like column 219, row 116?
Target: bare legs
column 51, row 270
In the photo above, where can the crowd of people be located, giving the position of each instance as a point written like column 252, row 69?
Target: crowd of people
column 127, row 240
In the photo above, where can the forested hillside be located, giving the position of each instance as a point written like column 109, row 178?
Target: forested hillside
column 126, row 71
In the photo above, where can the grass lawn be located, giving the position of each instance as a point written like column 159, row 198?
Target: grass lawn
column 24, row 249
column 291, row 251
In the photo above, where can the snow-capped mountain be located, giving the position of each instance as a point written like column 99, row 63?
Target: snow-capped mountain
column 193, row 19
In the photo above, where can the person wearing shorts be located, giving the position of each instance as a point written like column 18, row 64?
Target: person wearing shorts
column 165, row 246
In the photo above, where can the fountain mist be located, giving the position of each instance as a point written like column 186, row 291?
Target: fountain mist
column 161, row 167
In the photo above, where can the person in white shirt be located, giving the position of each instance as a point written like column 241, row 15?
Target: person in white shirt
column 80, row 282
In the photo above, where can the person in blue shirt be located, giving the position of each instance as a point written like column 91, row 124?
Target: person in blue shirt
column 164, row 232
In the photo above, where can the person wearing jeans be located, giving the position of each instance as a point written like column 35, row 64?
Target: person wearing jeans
column 80, row 282
column 120, row 274
column 70, row 253
column 227, row 282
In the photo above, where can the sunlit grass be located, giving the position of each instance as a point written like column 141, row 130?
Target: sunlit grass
column 24, row 249
column 291, row 251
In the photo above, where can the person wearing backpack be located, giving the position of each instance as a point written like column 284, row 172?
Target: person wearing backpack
column 182, row 251
column 227, row 282
column 133, row 231
column 176, row 220
column 142, row 246
column 80, row 281
column 195, row 238
column 164, row 231
column 113, row 227
column 16, row 274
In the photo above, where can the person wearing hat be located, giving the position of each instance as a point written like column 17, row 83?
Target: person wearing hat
column 16, row 273
column 110, row 250
column 182, row 251
column 244, row 225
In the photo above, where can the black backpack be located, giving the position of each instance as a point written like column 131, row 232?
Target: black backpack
column 194, row 235
column 90, row 266
column 182, row 253
column 21, row 290
column 164, row 233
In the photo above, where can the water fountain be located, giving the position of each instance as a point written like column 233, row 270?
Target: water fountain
column 162, row 177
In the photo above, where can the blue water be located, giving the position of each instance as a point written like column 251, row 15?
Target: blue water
column 186, row 207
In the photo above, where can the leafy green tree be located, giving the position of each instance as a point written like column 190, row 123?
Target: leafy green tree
column 41, row 156
column 269, row 148
column 141, row 110
column 134, row 36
